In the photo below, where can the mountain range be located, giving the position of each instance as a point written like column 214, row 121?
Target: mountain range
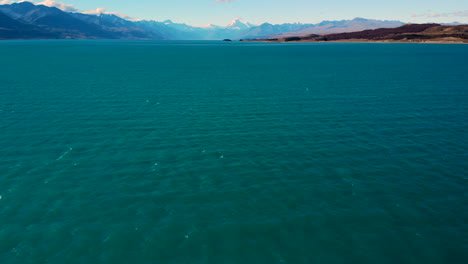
column 26, row 20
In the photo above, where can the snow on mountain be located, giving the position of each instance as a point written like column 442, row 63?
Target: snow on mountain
column 238, row 24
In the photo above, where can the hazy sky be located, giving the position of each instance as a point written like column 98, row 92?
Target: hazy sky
column 221, row 12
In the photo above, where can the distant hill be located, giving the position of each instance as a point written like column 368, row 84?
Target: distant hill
column 405, row 33
column 117, row 27
column 357, row 24
column 325, row 27
column 178, row 31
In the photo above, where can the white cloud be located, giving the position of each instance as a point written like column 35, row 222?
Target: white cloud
column 102, row 10
column 463, row 13
column 59, row 5
column 50, row 3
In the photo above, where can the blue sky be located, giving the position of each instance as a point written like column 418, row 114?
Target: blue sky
column 221, row 12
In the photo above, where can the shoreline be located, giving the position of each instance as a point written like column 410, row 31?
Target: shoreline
column 276, row 41
column 363, row 41
column 409, row 33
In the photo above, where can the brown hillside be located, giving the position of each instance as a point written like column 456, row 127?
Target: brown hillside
column 406, row 33
column 380, row 33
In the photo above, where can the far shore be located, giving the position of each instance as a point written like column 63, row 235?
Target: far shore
column 363, row 41
column 409, row 33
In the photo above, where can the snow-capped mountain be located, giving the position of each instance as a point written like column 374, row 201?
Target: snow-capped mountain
column 238, row 24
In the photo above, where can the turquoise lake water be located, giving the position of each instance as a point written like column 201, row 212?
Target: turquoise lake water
column 209, row 152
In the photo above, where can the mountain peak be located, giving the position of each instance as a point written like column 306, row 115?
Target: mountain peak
column 237, row 23
column 360, row 19
column 210, row 26
column 24, row 3
column 236, row 19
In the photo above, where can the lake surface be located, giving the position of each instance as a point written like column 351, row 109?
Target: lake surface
column 211, row 152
